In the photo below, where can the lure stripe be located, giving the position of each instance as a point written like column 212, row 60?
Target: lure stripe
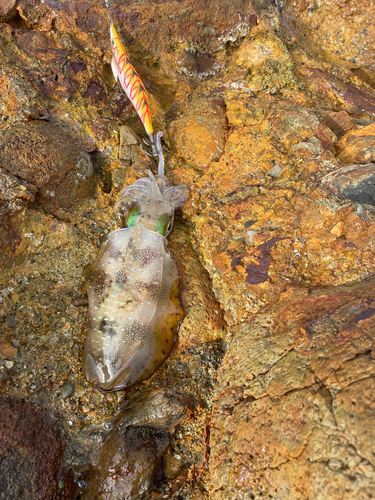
column 130, row 81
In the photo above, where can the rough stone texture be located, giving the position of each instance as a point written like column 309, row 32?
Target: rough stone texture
column 200, row 134
column 157, row 408
column 237, row 98
column 357, row 146
column 15, row 193
column 31, row 454
column 328, row 92
column 355, row 182
column 7, row 10
column 44, row 156
column 127, row 461
column 126, row 465
column 297, row 425
column 337, row 32
column 339, row 122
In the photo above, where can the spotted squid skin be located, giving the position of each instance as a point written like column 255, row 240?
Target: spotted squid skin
column 134, row 308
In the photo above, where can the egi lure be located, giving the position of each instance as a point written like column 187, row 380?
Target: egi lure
column 133, row 285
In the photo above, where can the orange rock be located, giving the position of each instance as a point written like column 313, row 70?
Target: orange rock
column 327, row 30
column 357, row 146
column 339, row 122
column 199, row 135
column 7, row 350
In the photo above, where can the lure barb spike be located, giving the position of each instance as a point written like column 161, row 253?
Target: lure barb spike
column 130, row 81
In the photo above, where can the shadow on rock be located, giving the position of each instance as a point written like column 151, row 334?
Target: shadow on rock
column 130, row 458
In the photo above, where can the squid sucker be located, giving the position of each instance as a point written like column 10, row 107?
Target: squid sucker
column 133, row 288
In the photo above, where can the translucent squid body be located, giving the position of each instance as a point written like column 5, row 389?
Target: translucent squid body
column 134, row 306
column 133, row 285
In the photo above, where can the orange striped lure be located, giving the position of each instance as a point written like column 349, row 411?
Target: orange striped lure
column 125, row 73
column 130, row 81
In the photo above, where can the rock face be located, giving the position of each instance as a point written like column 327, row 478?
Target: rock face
column 128, row 460
column 337, row 32
column 45, row 157
column 298, row 421
column 273, row 132
column 357, row 146
column 31, row 454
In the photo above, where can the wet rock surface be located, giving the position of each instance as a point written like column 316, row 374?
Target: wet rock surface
column 276, row 247
column 45, row 157
column 299, row 408
column 128, row 460
column 31, row 454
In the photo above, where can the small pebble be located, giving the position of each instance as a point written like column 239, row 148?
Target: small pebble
column 275, row 171
column 250, row 236
column 80, row 302
column 67, row 390
column 9, row 364
column 10, row 320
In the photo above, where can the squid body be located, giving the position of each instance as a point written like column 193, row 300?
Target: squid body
column 133, row 288
column 133, row 285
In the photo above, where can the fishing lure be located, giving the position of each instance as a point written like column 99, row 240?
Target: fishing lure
column 133, row 285
column 124, row 72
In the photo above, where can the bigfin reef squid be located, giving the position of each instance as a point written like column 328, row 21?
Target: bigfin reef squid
column 133, row 285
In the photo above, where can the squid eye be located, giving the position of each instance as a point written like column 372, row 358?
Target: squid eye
column 132, row 217
column 169, row 227
column 162, row 223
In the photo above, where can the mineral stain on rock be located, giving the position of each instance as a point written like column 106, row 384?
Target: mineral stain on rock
column 281, row 407
column 258, row 273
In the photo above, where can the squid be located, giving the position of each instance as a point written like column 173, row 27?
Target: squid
column 133, row 285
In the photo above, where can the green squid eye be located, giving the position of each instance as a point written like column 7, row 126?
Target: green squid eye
column 132, row 217
column 162, row 223
column 113, row 42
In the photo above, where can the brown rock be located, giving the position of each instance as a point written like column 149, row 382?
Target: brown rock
column 336, row 32
column 293, row 393
column 297, row 127
column 159, row 408
column 355, row 182
column 339, row 122
column 128, row 459
column 172, row 465
column 7, row 10
column 31, row 454
column 15, row 193
column 43, row 155
column 125, row 466
column 262, row 63
column 199, row 135
column 333, row 93
column 365, row 75
column 19, row 98
column 7, row 350
column 198, row 65
column 357, row 146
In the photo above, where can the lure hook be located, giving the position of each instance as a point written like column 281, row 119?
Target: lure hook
column 154, row 142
